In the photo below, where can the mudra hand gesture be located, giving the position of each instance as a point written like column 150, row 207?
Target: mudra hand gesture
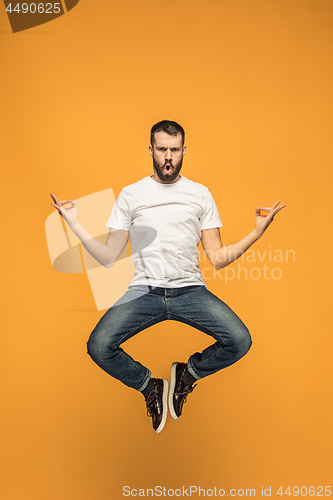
column 69, row 214
column 263, row 221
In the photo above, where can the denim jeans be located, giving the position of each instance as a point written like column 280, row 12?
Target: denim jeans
column 143, row 306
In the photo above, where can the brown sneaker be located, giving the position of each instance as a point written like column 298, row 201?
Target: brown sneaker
column 178, row 390
column 157, row 403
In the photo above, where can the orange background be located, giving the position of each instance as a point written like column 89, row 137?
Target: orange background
column 251, row 83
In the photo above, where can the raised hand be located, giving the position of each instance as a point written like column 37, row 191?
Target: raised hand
column 263, row 221
column 69, row 214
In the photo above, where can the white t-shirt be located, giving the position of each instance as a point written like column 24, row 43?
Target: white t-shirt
column 165, row 223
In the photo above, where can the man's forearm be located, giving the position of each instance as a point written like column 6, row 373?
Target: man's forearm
column 98, row 250
column 228, row 254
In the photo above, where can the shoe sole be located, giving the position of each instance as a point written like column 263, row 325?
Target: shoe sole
column 172, row 388
column 165, row 405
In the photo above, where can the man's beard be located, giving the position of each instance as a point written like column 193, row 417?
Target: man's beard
column 174, row 171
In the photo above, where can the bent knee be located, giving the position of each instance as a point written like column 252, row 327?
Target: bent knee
column 96, row 345
column 92, row 346
column 243, row 341
column 100, row 346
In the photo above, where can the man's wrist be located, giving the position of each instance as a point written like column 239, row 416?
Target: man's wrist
column 256, row 234
column 75, row 226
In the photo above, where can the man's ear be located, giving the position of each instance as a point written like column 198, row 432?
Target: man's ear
column 184, row 150
column 150, row 150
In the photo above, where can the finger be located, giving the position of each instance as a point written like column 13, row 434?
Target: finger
column 278, row 209
column 64, row 202
column 58, row 208
column 264, row 209
column 54, row 198
column 274, row 212
column 274, row 208
column 267, row 209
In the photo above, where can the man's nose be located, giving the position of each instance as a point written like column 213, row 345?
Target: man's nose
column 168, row 155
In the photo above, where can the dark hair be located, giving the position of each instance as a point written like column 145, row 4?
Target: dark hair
column 168, row 126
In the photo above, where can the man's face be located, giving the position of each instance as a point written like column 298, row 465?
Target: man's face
column 167, row 154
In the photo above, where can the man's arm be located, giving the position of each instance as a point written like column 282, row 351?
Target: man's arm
column 105, row 253
column 221, row 256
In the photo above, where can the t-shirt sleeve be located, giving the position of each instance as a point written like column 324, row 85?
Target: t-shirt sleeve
column 210, row 217
column 120, row 217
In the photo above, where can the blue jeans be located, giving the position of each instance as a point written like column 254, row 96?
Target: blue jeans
column 143, row 306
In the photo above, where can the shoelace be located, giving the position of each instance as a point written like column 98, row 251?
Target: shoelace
column 186, row 393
